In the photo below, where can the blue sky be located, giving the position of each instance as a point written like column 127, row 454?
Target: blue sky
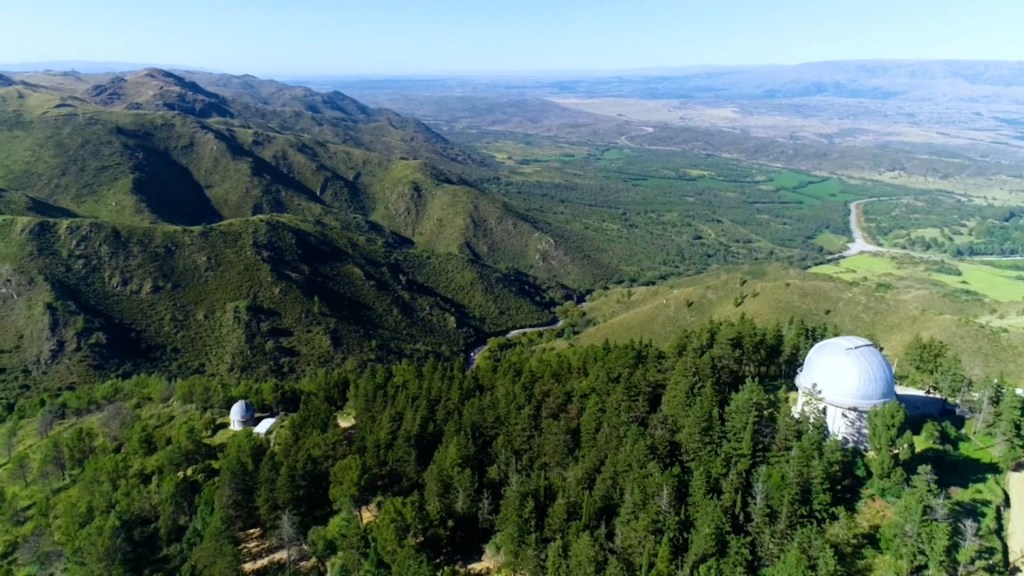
column 403, row 37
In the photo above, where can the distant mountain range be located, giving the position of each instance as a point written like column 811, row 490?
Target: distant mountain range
column 90, row 67
column 872, row 79
column 869, row 79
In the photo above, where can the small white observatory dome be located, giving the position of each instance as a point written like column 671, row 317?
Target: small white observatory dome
column 847, row 372
column 242, row 415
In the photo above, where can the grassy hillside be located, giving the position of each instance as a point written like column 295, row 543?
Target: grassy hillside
column 890, row 310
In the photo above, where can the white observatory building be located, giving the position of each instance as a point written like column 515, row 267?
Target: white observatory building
column 243, row 415
column 841, row 380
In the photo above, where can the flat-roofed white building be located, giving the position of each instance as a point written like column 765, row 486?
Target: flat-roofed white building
column 263, row 428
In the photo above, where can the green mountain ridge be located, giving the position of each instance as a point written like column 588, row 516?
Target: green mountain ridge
column 156, row 167
column 153, row 224
column 158, row 90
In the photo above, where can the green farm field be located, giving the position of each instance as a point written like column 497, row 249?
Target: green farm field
column 998, row 284
column 809, row 189
column 831, row 242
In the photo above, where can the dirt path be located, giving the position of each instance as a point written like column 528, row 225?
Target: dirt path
column 1015, row 522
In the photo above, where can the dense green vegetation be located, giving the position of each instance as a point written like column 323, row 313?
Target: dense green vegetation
column 245, row 298
column 950, row 225
column 662, row 213
column 150, row 225
column 617, row 459
column 342, row 162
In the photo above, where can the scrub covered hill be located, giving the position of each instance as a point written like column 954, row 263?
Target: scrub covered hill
column 245, row 298
column 148, row 224
column 164, row 150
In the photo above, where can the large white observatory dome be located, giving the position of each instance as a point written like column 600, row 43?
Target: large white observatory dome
column 847, row 372
column 242, row 415
column 242, row 411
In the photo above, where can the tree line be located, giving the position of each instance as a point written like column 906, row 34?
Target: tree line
column 612, row 459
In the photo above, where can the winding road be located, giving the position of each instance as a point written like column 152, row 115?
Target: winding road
column 625, row 139
column 645, row 131
column 860, row 242
column 476, row 352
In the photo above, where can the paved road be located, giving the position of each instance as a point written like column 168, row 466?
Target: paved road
column 646, row 130
column 1015, row 522
column 860, row 242
column 476, row 352
column 625, row 139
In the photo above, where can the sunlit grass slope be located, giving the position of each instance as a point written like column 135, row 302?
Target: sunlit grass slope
column 889, row 309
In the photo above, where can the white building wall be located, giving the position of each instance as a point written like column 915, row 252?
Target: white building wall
column 850, row 426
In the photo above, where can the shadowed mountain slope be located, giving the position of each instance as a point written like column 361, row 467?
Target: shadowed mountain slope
column 244, row 298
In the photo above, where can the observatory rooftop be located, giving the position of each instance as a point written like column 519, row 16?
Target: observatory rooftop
column 847, row 372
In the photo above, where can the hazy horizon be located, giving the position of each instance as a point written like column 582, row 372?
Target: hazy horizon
column 403, row 38
column 100, row 67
